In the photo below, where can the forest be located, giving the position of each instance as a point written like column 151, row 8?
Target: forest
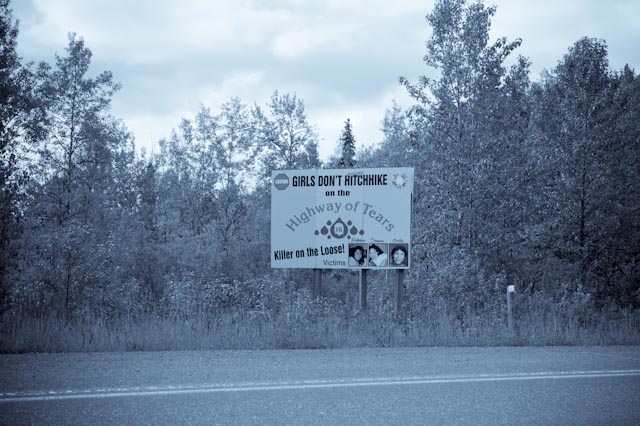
column 517, row 182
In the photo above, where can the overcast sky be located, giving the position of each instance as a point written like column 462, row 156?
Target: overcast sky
column 341, row 57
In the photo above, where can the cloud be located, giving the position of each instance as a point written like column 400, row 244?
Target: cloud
column 299, row 42
column 150, row 31
column 246, row 85
column 341, row 57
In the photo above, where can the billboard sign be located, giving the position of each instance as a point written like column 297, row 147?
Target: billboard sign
column 341, row 218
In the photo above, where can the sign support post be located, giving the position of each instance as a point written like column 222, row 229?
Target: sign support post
column 399, row 292
column 317, row 283
column 362, row 290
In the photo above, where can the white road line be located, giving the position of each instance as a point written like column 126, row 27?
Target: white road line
column 22, row 396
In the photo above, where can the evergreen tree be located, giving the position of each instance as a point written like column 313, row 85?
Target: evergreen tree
column 348, row 147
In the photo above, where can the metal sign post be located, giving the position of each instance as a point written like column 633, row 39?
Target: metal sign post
column 399, row 292
column 317, row 283
column 362, row 289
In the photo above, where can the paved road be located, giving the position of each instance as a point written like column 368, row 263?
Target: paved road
column 595, row 385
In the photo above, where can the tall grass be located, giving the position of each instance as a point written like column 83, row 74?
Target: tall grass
column 317, row 325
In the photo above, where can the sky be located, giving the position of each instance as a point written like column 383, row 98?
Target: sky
column 341, row 57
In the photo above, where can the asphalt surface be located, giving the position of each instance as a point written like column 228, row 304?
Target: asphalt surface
column 400, row 386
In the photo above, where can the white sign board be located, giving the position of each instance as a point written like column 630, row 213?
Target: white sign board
column 341, row 218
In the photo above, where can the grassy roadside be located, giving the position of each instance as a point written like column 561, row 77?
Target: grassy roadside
column 315, row 327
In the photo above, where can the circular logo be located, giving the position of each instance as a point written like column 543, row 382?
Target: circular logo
column 339, row 229
column 399, row 180
column 281, row 181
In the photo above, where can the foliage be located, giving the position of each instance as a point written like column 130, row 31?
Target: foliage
column 283, row 131
column 523, row 183
column 21, row 123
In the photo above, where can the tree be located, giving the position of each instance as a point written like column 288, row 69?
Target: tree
column 579, row 120
column 466, row 137
column 76, row 110
column 289, row 139
column 189, row 174
column 396, row 149
column 459, row 115
column 205, row 169
column 618, row 266
column 19, row 114
column 20, row 109
column 75, row 198
column 234, row 154
column 348, row 145
column 460, row 108
column 310, row 158
column 148, row 271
